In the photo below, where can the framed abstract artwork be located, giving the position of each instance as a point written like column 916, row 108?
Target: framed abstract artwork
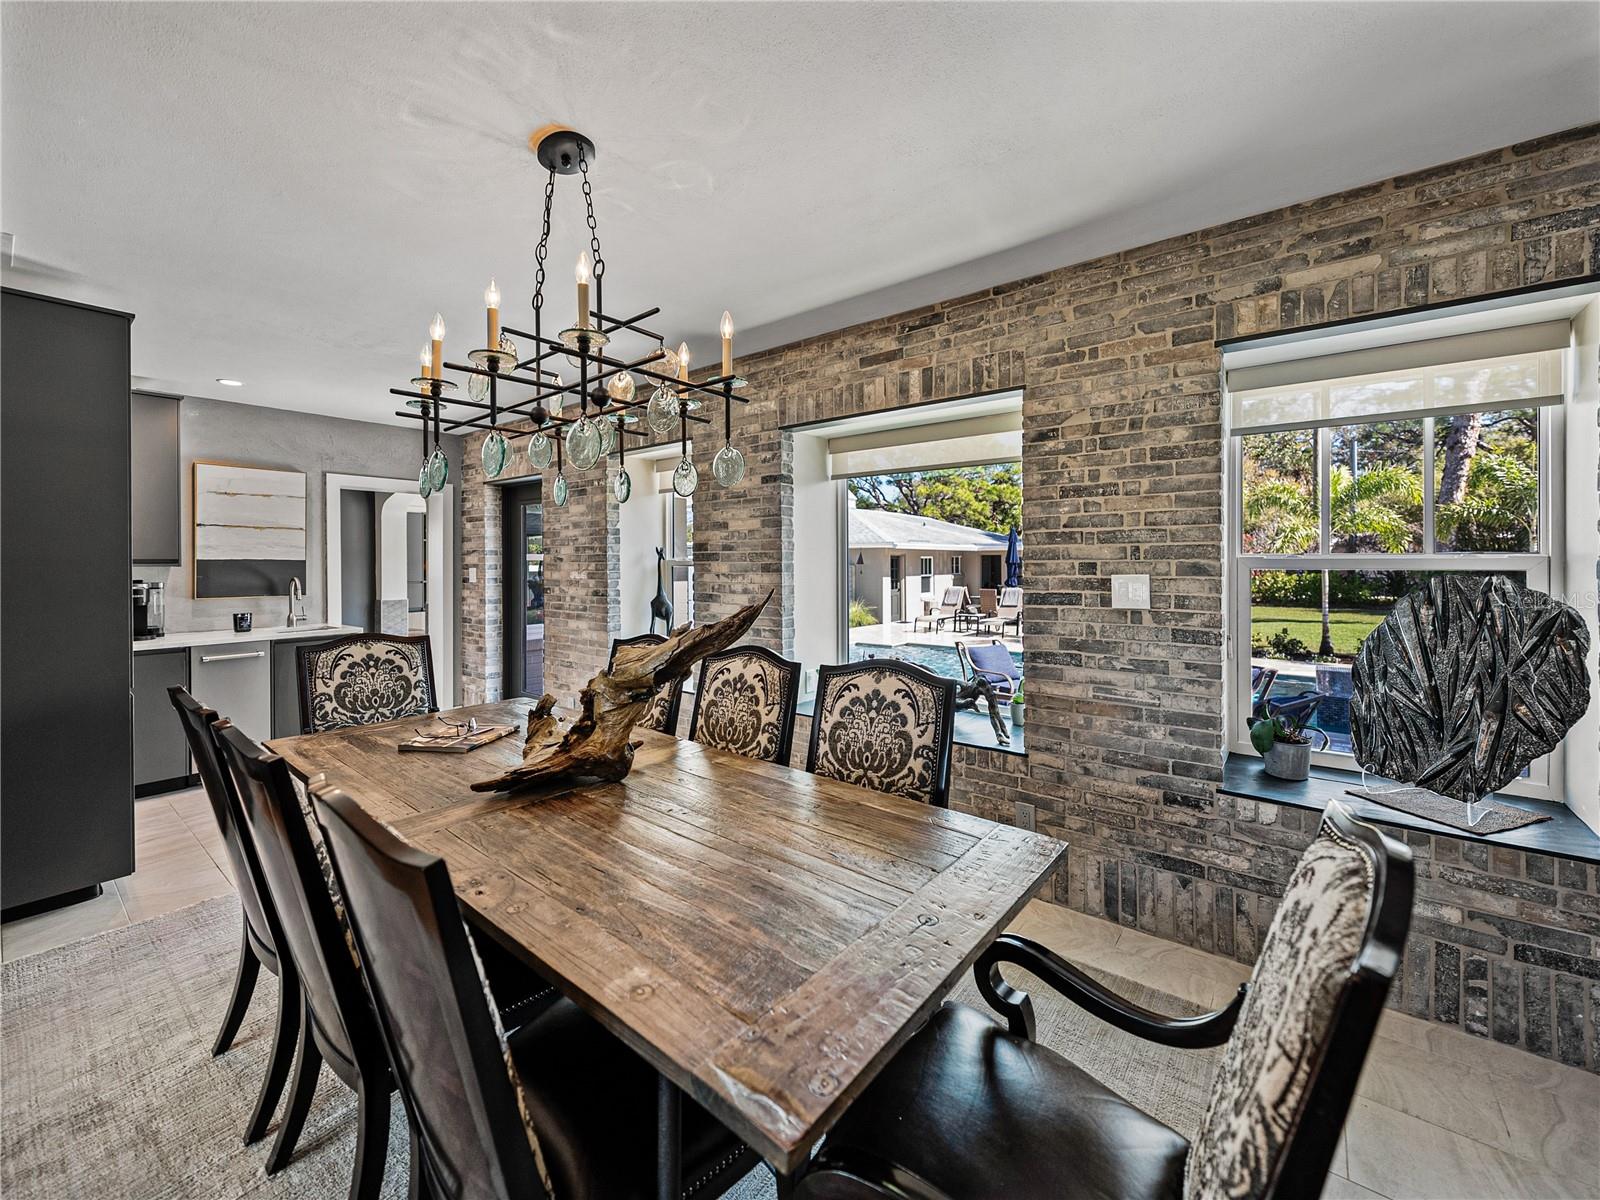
column 249, row 530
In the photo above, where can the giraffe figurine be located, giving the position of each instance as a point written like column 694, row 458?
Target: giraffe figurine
column 660, row 606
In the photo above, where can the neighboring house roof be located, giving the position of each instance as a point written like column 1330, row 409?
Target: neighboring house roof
column 873, row 528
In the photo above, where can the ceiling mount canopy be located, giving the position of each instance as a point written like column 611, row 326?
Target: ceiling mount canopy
column 608, row 407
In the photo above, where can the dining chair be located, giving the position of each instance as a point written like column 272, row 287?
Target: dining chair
column 363, row 679
column 745, row 703
column 336, row 1020
column 259, row 945
column 667, row 702
column 558, row 1108
column 968, row 1109
column 884, row 725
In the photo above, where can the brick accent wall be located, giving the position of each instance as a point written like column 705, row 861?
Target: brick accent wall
column 1122, row 460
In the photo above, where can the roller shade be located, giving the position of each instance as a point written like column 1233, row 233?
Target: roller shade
column 974, row 441
column 1520, row 367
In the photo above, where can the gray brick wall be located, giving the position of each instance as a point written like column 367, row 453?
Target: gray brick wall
column 1122, row 471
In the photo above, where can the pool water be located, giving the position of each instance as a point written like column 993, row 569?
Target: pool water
column 941, row 660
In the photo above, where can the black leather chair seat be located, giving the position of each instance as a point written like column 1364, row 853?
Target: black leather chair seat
column 977, row 1114
column 593, row 1101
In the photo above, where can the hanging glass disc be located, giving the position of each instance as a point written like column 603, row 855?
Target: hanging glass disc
column 560, row 490
column 495, row 455
column 620, row 387
column 667, row 364
column 608, row 437
column 541, row 451
column 583, row 443
column 424, row 483
column 685, row 478
column 662, row 412
column 438, row 469
column 727, row 468
column 478, row 388
column 622, row 486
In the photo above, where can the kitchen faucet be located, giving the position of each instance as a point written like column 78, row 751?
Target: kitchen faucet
column 296, row 600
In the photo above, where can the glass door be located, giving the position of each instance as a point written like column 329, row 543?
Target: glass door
column 522, row 596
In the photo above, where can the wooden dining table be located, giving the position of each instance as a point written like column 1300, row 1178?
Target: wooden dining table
column 766, row 938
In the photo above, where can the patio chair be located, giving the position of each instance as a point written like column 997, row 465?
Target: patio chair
column 1261, row 680
column 991, row 661
column 1337, row 686
column 1007, row 612
column 955, row 599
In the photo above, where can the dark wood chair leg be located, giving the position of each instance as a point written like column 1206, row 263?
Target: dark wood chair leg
column 784, row 1184
column 372, row 1141
column 417, row 1184
column 308, row 1065
column 284, row 1038
column 244, row 985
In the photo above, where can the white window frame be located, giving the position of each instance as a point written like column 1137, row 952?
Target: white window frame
column 669, row 504
column 1543, row 572
column 955, row 566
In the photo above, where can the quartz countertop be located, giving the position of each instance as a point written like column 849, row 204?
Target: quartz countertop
column 223, row 637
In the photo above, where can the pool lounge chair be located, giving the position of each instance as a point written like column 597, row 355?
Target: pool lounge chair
column 950, row 607
column 1007, row 612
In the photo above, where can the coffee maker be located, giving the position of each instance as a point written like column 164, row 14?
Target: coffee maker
column 149, row 609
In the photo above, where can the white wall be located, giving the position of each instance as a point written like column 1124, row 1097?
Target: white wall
column 1582, row 531
column 817, row 547
column 639, row 525
column 393, row 560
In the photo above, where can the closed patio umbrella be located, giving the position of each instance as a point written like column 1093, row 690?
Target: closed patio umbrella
column 1013, row 559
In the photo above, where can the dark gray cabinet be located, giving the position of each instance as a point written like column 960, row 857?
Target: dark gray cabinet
column 160, row 750
column 66, row 694
column 286, row 682
column 236, row 680
column 157, row 483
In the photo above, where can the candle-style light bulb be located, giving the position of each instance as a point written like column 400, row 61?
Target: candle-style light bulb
column 584, row 272
column 683, row 360
column 491, row 301
column 727, row 343
column 436, row 336
column 427, row 360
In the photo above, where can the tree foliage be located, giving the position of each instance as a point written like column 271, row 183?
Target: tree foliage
column 987, row 498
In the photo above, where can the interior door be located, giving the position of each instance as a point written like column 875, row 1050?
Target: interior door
column 522, row 587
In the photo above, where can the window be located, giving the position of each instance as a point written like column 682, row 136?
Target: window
column 1350, row 491
column 955, row 566
column 925, row 566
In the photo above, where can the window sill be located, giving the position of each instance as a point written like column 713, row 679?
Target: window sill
column 1562, row 836
column 972, row 730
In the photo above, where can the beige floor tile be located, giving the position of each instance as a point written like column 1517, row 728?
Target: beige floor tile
column 175, row 878
column 1340, row 1188
column 1407, row 1158
column 47, row 930
column 1437, row 1089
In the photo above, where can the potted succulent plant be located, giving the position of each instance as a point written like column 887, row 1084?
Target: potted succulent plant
column 1284, row 743
column 1016, row 707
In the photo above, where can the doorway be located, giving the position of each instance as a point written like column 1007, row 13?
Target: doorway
column 522, row 588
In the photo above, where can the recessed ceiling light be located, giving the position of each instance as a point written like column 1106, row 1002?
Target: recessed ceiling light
column 231, row 382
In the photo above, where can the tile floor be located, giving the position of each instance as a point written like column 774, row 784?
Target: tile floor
column 1439, row 1115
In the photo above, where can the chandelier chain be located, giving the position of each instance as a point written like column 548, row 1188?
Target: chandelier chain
column 594, row 228
column 544, row 241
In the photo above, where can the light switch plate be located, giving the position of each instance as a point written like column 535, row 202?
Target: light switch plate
column 1130, row 591
column 472, row 574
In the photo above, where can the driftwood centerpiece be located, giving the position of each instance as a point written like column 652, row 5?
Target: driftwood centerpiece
column 599, row 745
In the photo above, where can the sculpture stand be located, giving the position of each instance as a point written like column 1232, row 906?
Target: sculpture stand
column 598, row 744
column 970, row 691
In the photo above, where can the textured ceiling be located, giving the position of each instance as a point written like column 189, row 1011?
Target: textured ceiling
column 284, row 193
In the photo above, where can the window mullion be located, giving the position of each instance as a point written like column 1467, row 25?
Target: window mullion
column 1324, row 490
column 1428, row 545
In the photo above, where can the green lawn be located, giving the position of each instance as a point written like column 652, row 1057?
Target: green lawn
column 1347, row 626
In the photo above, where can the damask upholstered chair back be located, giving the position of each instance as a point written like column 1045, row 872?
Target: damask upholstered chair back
column 1289, row 1071
column 363, row 679
column 885, row 725
column 662, row 714
column 745, row 703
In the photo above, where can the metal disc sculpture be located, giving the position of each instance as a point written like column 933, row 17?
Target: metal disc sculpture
column 1465, row 683
column 599, row 745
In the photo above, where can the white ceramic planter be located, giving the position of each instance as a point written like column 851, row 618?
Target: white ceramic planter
column 1016, row 713
column 1287, row 760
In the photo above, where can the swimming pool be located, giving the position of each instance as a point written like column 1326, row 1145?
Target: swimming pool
column 941, row 660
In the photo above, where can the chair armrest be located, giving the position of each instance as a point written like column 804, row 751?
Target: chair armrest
column 1187, row 1033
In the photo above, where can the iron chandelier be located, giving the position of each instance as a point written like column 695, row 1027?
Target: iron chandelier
column 608, row 408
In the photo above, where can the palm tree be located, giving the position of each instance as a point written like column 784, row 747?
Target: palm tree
column 1370, row 505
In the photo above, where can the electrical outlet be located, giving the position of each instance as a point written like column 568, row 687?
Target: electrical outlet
column 1130, row 591
column 1024, row 815
column 472, row 574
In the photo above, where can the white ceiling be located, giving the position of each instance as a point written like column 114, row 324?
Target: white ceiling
column 284, row 193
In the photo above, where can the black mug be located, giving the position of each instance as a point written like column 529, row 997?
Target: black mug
column 242, row 622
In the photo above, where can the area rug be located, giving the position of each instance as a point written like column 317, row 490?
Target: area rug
column 109, row 1087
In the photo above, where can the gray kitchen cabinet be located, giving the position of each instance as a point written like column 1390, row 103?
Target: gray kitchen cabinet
column 157, row 481
column 160, row 750
column 235, row 679
column 286, row 682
